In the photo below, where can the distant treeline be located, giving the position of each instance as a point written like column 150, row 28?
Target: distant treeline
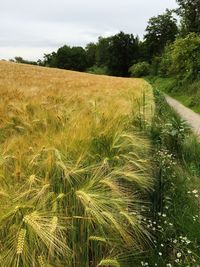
column 167, row 48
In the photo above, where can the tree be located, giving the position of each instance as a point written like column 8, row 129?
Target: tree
column 102, row 52
column 24, row 61
column 68, row 58
column 78, row 59
column 182, row 58
column 123, row 52
column 19, row 60
column 160, row 31
column 189, row 11
column 49, row 60
column 140, row 69
column 63, row 57
column 91, row 49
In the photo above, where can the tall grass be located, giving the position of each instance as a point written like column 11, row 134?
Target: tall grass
column 175, row 220
column 74, row 170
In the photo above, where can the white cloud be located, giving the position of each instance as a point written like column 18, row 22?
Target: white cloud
column 32, row 53
column 33, row 28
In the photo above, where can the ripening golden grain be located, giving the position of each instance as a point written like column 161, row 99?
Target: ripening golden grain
column 73, row 167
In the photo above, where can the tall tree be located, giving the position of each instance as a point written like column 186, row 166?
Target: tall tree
column 102, row 51
column 189, row 11
column 91, row 49
column 123, row 52
column 160, row 31
column 49, row 60
column 68, row 58
column 78, row 58
column 63, row 57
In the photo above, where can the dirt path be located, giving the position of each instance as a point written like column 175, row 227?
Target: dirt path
column 192, row 118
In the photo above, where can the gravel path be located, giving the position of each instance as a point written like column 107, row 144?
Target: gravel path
column 192, row 118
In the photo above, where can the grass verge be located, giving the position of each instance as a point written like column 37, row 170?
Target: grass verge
column 175, row 201
column 188, row 93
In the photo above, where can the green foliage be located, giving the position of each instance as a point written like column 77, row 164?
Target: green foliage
column 71, row 58
column 155, row 65
column 165, row 66
column 49, row 60
column 189, row 12
column 91, row 54
column 188, row 93
column 63, row 57
column 24, row 61
column 98, row 70
column 112, row 55
column 183, row 57
column 164, row 84
column 175, row 200
column 116, row 53
column 174, row 134
column 160, row 31
column 123, row 51
column 102, row 51
column 140, row 69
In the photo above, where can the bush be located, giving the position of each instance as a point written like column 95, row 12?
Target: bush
column 140, row 69
column 98, row 70
column 166, row 62
column 155, row 65
column 182, row 58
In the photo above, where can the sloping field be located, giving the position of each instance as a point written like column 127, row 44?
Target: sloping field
column 73, row 167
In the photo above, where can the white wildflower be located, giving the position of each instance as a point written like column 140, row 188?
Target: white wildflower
column 178, row 255
column 195, row 191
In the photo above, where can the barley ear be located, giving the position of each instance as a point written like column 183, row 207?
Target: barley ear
column 109, row 262
column 20, row 241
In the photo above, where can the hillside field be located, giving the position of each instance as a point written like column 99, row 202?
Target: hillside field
column 74, row 167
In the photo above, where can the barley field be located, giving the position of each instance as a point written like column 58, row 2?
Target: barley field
column 74, row 168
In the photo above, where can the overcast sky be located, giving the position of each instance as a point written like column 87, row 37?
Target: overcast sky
column 30, row 28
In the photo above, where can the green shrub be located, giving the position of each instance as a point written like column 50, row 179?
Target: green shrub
column 140, row 69
column 166, row 62
column 155, row 65
column 98, row 70
column 182, row 58
column 195, row 101
column 194, row 88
